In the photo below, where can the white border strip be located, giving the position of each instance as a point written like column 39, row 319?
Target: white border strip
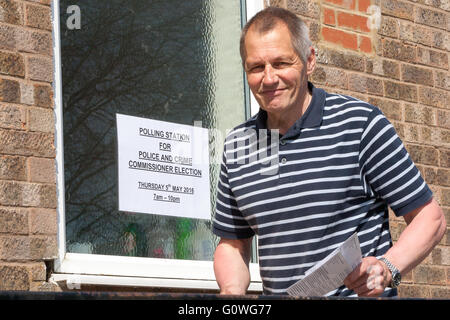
column 253, row 7
column 58, row 109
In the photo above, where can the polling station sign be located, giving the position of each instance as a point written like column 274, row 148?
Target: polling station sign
column 163, row 168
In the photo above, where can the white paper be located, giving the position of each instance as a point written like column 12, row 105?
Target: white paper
column 329, row 273
column 163, row 168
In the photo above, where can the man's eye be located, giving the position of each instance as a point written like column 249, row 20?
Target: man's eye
column 280, row 64
column 256, row 68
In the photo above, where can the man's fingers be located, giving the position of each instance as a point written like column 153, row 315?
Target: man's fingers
column 356, row 280
column 367, row 279
column 375, row 282
column 373, row 285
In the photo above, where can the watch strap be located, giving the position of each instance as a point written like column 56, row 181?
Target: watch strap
column 395, row 273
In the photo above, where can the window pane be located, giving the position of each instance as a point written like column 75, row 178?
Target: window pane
column 170, row 60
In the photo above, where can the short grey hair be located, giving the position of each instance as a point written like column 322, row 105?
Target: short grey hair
column 267, row 19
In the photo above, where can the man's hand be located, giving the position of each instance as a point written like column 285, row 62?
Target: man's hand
column 369, row 278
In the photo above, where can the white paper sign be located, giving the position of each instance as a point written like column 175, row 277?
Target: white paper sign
column 329, row 273
column 163, row 168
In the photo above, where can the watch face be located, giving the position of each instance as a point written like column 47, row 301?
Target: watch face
column 396, row 278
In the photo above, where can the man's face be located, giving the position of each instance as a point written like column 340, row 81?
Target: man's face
column 275, row 73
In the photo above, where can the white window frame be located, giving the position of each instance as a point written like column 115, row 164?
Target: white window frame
column 76, row 269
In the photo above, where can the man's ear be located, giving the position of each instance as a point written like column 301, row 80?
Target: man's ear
column 311, row 63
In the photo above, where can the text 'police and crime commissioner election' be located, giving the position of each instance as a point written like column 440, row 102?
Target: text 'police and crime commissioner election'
column 164, row 168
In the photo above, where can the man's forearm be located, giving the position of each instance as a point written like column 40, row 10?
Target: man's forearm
column 231, row 261
column 426, row 226
column 425, row 229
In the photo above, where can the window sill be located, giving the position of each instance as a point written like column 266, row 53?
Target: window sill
column 78, row 270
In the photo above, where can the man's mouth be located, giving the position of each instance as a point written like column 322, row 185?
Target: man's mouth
column 272, row 92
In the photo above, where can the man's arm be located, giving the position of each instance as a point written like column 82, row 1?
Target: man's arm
column 425, row 228
column 231, row 260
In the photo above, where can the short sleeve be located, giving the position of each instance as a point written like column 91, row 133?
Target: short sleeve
column 387, row 170
column 228, row 221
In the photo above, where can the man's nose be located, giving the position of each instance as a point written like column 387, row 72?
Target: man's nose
column 270, row 76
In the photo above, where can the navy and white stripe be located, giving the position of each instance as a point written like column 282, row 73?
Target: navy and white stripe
column 332, row 174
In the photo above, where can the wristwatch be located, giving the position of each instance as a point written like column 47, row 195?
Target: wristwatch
column 396, row 276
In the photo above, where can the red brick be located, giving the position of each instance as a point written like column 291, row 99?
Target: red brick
column 348, row 4
column 365, row 44
column 352, row 21
column 342, row 38
column 329, row 16
column 363, row 5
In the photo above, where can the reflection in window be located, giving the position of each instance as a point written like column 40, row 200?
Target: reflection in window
column 170, row 60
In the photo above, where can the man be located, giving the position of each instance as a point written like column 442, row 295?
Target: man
column 338, row 165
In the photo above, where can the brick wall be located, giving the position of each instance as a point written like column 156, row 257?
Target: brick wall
column 398, row 61
column 28, row 219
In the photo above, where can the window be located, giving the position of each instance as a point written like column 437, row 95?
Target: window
column 170, row 60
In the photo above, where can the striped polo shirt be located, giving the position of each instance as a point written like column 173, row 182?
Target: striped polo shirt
column 333, row 173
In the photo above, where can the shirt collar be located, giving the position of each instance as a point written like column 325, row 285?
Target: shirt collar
column 310, row 119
